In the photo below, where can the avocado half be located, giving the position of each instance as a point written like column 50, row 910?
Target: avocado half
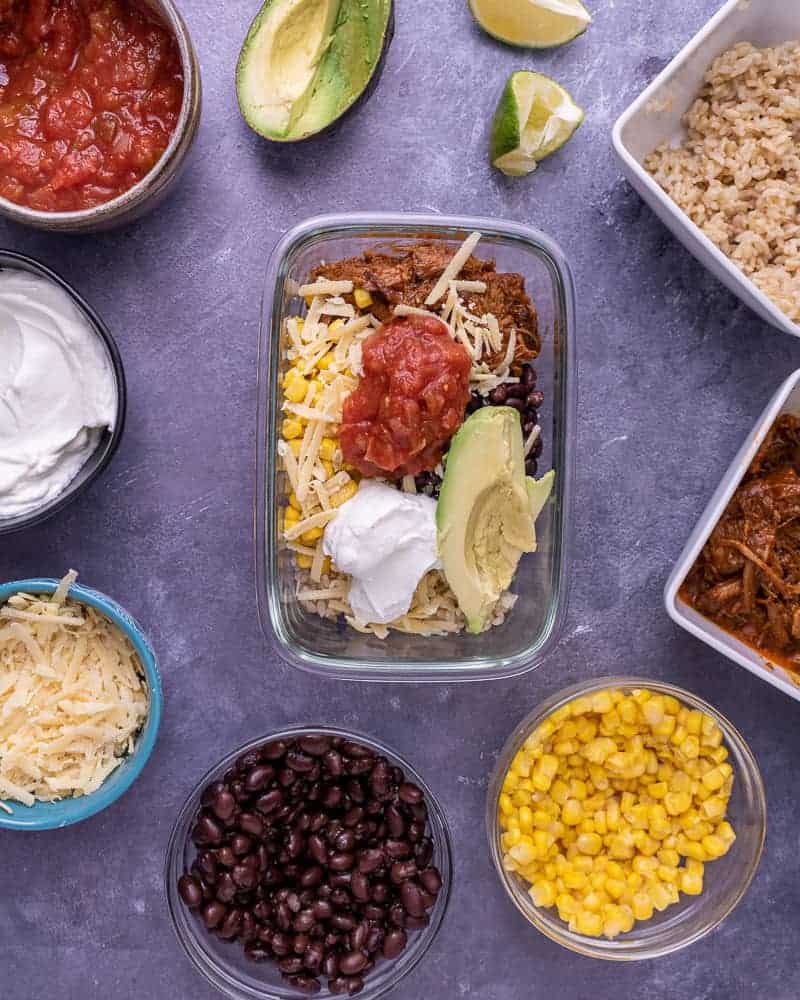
column 306, row 63
column 487, row 510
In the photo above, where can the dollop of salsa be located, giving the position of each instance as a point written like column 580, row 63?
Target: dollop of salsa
column 410, row 401
column 90, row 95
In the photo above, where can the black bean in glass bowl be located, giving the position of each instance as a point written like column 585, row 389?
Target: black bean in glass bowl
column 313, row 861
column 523, row 397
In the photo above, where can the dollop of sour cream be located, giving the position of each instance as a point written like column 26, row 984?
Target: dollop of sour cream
column 386, row 541
column 57, row 391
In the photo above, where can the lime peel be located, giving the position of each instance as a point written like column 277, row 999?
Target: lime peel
column 534, row 24
column 535, row 117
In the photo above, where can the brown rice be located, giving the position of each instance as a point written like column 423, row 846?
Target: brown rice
column 737, row 173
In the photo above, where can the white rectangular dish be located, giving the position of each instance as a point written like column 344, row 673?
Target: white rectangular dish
column 785, row 400
column 655, row 116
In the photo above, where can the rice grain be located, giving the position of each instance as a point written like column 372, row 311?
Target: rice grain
column 737, row 173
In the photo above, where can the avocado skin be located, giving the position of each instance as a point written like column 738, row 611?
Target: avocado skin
column 355, row 22
column 352, row 29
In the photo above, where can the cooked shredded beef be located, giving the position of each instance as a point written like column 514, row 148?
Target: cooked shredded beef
column 409, row 278
column 747, row 578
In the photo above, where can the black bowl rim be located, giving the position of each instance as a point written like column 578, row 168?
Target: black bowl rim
column 109, row 445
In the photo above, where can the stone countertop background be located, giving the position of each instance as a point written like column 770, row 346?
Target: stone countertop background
column 673, row 373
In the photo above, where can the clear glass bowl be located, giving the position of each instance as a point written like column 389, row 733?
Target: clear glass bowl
column 223, row 963
column 726, row 879
column 335, row 650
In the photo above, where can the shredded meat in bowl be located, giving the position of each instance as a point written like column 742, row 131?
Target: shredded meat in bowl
column 409, row 277
column 747, row 578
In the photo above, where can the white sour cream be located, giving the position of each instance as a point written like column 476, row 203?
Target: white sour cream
column 386, row 541
column 57, row 391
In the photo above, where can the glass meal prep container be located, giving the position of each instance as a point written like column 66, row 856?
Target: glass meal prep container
column 334, row 649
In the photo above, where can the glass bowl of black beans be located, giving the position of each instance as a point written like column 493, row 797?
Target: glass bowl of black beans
column 311, row 861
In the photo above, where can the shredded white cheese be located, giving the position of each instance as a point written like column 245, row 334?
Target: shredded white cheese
column 403, row 310
column 533, row 437
column 505, row 365
column 325, row 287
column 453, row 269
column 334, row 307
column 73, row 698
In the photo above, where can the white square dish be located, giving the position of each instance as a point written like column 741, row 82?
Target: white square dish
column 785, row 400
column 655, row 116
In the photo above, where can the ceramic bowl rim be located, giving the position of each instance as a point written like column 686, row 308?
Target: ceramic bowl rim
column 109, row 445
column 680, row 218
column 82, row 808
column 729, row 646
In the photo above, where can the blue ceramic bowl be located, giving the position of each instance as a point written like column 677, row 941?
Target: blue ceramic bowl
column 54, row 815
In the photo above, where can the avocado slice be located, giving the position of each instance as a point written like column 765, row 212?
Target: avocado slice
column 305, row 63
column 487, row 511
column 539, row 491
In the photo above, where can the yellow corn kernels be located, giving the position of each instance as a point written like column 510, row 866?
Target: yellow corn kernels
column 543, row 894
column 714, row 846
column 660, row 896
column 602, row 702
column 677, row 803
column 291, row 429
column 295, row 386
column 588, row 924
column 362, row 298
column 613, row 806
column 642, row 906
column 344, row 494
column 590, row 843
column 714, row 808
column 691, row 883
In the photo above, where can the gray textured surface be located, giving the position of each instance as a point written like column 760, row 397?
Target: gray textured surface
column 673, row 372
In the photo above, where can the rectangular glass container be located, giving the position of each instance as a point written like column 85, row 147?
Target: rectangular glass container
column 530, row 630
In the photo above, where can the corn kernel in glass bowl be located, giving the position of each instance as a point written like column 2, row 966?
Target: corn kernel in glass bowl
column 617, row 822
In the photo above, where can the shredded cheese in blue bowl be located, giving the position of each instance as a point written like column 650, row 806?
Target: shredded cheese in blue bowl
column 59, row 692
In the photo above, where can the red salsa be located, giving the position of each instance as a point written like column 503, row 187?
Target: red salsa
column 410, row 401
column 90, row 94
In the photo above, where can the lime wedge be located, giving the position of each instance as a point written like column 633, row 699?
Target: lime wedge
column 535, row 117
column 534, row 24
